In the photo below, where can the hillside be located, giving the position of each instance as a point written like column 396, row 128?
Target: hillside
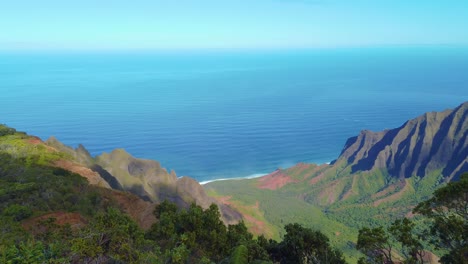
column 378, row 177
column 120, row 180
column 145, row 178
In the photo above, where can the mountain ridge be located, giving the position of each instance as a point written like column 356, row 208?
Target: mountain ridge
column 145, row 178
column 420, row 145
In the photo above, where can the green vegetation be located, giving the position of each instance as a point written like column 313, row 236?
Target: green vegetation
column 303, row 245
column 4, row 130
column 34, row 195
column 448, row 214
column 339, row 204
column 446, row 230
column 31, row 187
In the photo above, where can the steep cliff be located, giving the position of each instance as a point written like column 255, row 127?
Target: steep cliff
column 433, row 141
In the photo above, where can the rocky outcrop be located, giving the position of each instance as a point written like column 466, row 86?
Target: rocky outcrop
column 433, row 141
column 77, row 160
column 79, row 155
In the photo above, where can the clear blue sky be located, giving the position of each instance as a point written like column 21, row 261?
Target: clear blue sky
column 226, row 24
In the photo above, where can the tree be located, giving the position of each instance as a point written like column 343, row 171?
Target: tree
column 240, row 255
column 375, row 244
column 304, row 245
column 403, row 231
column 238, row 234
column 448, row 210
column 165, row 228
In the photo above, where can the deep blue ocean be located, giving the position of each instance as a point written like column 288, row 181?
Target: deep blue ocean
column 213, row 115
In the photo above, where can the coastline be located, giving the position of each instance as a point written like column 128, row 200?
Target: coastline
column 253, row 176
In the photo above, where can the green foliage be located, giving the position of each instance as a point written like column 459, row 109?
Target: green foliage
column 403, row 231
column 29, row 252
column 339, row 212
column 379, row 245
column 375, row 244
column 17, row 212
column 4, row 130
column 304, row 245
column 110, row 235
column 448, row 212
column 240, row 255
column 29, row 186
column 11, row 232
column 185, row 231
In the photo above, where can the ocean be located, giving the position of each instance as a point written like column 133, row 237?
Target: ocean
column 226, row 114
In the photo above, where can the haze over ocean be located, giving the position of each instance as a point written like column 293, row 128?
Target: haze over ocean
column 213, row 115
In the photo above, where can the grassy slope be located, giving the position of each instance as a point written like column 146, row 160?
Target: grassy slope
column 29, row 179
column 275, row 209
column 329, row 199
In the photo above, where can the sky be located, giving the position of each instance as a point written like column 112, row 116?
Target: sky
column 226, row 24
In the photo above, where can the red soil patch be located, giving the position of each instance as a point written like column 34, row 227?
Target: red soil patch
column 35, row 141
column 139, row 210
column 93, row 177
column 274, row 180
column 75, row 220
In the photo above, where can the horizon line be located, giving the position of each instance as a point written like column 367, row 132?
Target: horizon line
column 238, row 49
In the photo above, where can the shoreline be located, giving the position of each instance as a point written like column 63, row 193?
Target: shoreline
column 253, row 176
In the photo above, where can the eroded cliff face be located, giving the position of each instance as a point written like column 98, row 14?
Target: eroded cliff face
column 118, row 170
column 433, row 141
